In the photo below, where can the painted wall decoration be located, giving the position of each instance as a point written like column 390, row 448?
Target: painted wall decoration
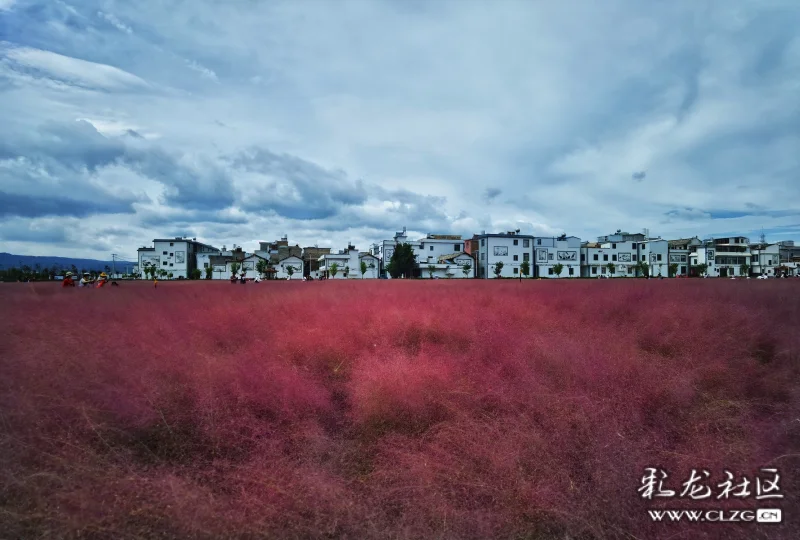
column 711, row 254
column 248, row 265
column 652, row 257
column 567, row 255
column 624, row 257
column 180, row 257
column 677, row 258
column 388, row 252
column 150, row 260
column 219, row 269
column 541, row 255
column 500, row 251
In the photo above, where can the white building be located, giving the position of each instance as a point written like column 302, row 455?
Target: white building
column 608, row 259
column 764, row 259
column 176, row 256
column 680, row 252
column 347, row 264
column 704, row 255
column 372, row 266
column 293, row 262
column 730, row 254
column 655, row 252
column 450, row 266
column 549, row 252
column 510, row 249
column 427, row 251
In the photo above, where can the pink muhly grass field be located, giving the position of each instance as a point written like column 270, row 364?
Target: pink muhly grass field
column 401, row 409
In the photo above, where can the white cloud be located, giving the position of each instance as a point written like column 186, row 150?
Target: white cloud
column 553, row 106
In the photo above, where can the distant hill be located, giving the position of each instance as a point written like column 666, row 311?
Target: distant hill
column 8, row 260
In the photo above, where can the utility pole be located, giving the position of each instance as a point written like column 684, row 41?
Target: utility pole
column 114, row 263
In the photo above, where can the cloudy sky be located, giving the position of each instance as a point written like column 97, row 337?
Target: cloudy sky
column 330, row 122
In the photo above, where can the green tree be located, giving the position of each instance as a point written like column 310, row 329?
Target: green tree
column 403, row 261
column 363, row 269
column 525, row 268
column 431, row 270
column 209, row 271
column 498, row 268
column 235, row 268
column 333, row 269
column 261, row 267
column 611, row 268
column 465, row 269
column 744, row 269
column 557, row 269
column 196, row 273
column 672, row 269
column 162, row 273
column 170, row 275
column 643, row 268
column 290, row 271
column 346, row 271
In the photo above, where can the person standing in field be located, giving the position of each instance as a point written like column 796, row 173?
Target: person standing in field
column 102, row 280
column 68, row 282
column 86, row 280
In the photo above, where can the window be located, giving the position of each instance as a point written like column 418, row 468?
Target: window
column 595, row 256
column 538, row 241
column 164, row 263
column 549, row 256
column 658, row 257
column 526, row 243
column 571, row 271
column 171, row 244
column 769, row 261
column 605, row 257
column 205, row 265
column 516, row 242
column 516, row 270
column 483, row 256
column 456, row 247
column 526, row 256
column 613, row 257
column 644, row 258
column 171, row 254
column 583, row 257
column 516, row 257
column 170, row 264
column 603, row 270
column 431, row 248
column 550, row 271
column 633, row 246
column 614, row 246
column 165, row 253
column 594, row 269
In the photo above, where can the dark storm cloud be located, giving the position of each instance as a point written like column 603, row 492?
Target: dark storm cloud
column 12, row 204
column 295, row 188
column 492, row 193
column 639, row 175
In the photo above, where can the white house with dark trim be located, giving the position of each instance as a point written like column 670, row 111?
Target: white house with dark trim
column 550, row 251
column 177, row 256
column 449, row 266
column 655, row 252
column 764, row 259
column 680, row 251
column 291, row 261
column 509, row 248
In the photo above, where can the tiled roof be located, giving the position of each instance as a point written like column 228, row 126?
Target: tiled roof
column 450, row 256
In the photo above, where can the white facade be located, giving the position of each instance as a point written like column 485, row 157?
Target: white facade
column 680, row 252
column 373, row 266
column 175, row 256
column 296, row 263
column 705, row 255
column 449, row 266
column 427, row 251
column 764, row 259
column 596, row 258
column 730, row 254
column 548, row 252
column 347, row 264
column 509, row 248
column 656, row 254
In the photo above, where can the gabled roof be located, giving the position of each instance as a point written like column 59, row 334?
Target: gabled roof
column 361, row 256
column 290, row 257
column 451, row 256
column 591, row 245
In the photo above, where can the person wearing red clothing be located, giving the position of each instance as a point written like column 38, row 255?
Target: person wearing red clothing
column 68, row 282
column 102, row 280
